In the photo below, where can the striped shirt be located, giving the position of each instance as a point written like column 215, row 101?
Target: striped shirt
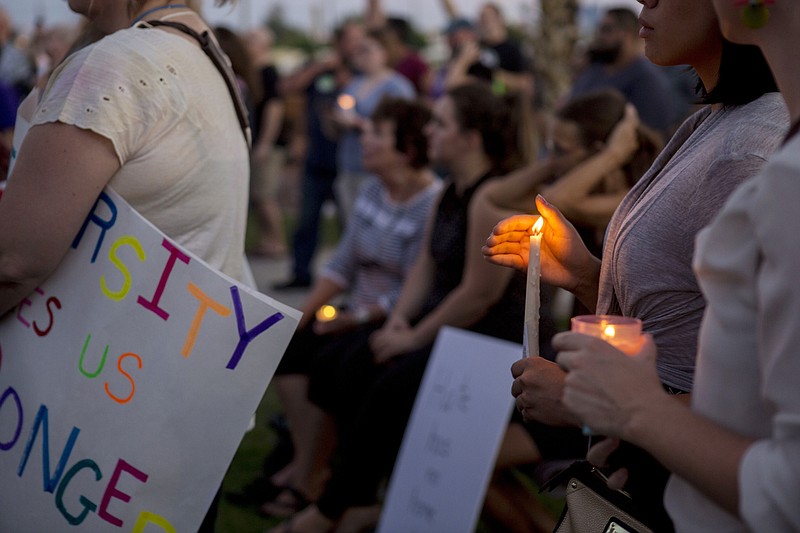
column 380, row 244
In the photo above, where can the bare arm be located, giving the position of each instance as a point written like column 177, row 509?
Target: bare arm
column 375, row 17
column 517, row 191
column 519, row 82
column 449, row 8
column 482, row 285
column 46, row 201
column 458, row 70
column 271, row 123
column 299, row 80
column 621, row 396
column 571, row 193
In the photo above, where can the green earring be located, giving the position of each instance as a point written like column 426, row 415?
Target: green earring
column 755, row 13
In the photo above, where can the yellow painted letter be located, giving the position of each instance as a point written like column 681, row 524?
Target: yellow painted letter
column 133, row 242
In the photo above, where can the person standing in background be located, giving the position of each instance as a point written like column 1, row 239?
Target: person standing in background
column 17, row 70
column 503, row 54
column 616, row 59
column 402, row 55
column 375, row 80
column 269, row 147
column 321, row 82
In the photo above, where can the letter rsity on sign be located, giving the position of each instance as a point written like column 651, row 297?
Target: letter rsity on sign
column 174, row 254
column 105, row 225
column 206, row 303
column 246, row 336
column 125, row 240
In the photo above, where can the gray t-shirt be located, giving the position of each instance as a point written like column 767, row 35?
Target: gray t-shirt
column 647, row 259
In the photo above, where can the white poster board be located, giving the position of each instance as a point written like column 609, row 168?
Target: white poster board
column 449, row 448
column 127, row 381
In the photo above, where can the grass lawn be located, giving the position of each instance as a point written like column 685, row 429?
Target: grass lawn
column 246, row 466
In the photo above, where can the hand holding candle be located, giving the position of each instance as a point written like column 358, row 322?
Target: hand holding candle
column 531, row 327
column 346, row 110
column 624, row 333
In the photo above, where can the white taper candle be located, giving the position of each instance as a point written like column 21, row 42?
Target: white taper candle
column 531, row 327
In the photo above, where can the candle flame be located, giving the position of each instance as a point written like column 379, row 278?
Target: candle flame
column 326, row 313
column 346, row 101
column 609, row 332
column 537, row 227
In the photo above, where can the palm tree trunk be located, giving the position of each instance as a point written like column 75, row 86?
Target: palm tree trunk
column 554, row 46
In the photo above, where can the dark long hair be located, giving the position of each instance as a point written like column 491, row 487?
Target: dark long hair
column 596, row 114
column 478, row 109
column 744, row 76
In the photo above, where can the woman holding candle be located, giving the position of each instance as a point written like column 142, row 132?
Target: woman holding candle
column 646, row 269
column 597, row 150
column 471, row 134
column 735, row 454
column 371, row 262
column 358, row 100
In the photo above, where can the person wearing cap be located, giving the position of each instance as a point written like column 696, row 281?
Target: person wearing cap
column 461, row 36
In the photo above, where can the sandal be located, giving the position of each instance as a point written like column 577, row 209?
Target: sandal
column 288, row 502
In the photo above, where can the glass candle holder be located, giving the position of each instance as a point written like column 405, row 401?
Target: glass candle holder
column 624, row 333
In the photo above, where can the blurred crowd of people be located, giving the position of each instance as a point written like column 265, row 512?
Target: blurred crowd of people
column 423, row 160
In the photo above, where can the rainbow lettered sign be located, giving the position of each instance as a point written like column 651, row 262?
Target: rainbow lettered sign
column 127, row 381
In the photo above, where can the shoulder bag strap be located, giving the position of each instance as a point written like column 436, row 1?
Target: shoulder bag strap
column 220, row 61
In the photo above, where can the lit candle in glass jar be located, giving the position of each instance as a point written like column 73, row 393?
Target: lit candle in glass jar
column 622, row 332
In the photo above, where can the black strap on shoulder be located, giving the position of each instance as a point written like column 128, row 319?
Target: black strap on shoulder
column 220, row 61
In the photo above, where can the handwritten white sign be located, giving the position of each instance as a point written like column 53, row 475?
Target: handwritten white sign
column 127, row 381
column 451, row 442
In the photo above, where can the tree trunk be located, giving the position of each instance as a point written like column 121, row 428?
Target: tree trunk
column 554, row 45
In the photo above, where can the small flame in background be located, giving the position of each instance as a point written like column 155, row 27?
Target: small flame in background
column 346, row 101
column 326, row 313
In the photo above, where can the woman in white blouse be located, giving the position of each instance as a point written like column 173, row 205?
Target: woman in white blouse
column 145, row 111
column 735, row 454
